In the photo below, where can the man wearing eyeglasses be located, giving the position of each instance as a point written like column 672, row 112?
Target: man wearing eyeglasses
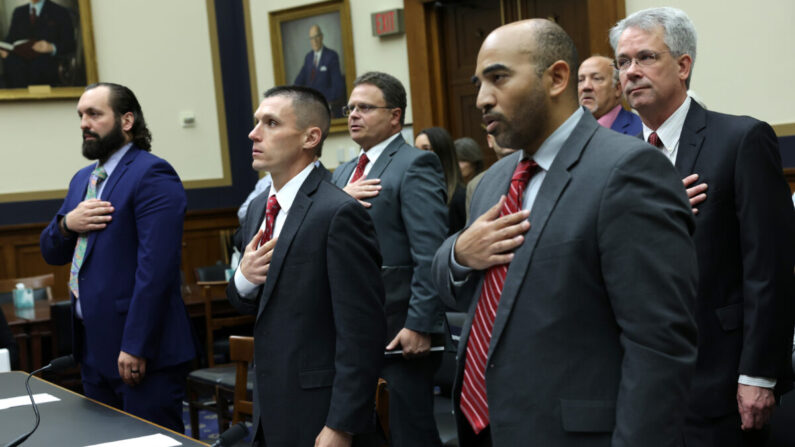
column 744, row 230
column 403, row 189
column 599, row 91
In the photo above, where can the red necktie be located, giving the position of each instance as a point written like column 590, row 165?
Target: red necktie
column 474, row 404
column 33, row 16
column 271, row 211
column 359, row 172
column 655, row 140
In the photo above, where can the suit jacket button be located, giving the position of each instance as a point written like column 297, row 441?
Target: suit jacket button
column 491, row 366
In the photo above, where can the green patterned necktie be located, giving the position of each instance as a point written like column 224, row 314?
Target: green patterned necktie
column 97, row 176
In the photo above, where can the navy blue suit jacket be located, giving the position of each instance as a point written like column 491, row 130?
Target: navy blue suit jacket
column 129, row 282
column 328, row 78
column 627, row 123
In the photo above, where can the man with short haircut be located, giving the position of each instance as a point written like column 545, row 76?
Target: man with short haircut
column 120, row 226
column 744, row 231
column 599, row 90
column 310, row 273
column 404, row 191
column 577, row 267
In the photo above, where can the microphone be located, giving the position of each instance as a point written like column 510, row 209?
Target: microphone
column 232, row 436
column 56, row 365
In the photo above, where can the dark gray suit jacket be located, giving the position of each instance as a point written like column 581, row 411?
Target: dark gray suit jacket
column 320, row 330
column 594, row 340
column 410, row 217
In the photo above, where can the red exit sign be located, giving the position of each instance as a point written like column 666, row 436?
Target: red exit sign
column 387, row 23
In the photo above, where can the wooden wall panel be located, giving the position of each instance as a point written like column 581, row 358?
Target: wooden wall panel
column 201, row 245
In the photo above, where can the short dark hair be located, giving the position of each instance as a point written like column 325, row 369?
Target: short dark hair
column 310, row 107
column 123, row 100
column 391, row 88
column 554, row 44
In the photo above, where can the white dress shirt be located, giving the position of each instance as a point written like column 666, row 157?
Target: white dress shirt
column 670, row 131
column 285, row 197
column 372, row 155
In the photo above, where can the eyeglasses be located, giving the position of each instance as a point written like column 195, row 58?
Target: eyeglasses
column 364, row 109
column 644, row 59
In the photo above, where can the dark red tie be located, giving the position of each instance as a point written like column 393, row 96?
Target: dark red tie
column 359, row 172
column 33, row 16
column 474, row 403
column 655, row 140
column 271, row 211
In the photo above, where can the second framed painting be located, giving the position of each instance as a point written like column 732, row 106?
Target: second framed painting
column 312, row 46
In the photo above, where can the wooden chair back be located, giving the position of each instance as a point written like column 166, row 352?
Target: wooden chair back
column 213, row 322
column 241, row 352
column 45, row 282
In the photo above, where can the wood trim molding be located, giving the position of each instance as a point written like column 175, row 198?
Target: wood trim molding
column 425, row 67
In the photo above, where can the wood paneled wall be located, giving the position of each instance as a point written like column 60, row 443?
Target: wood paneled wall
column 203, row 243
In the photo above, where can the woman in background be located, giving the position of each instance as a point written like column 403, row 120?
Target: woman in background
column 470, row 158
column 439, row 141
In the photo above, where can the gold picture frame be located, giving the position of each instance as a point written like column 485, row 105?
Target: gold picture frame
column 292, row 50
column 75, row 69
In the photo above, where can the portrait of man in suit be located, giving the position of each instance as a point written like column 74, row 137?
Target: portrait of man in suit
column 41, row 36
column 600, row 92
column 321, row 71
column 120, row 226
column 310, row 274
column 577, row 267
column 744, row 237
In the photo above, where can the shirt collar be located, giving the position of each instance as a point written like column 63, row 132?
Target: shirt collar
column 549, row 149
column 113, row 161
column 609, row 118
column 374, row 152
column 37, row 7
column 670, row 131
column 286, row 195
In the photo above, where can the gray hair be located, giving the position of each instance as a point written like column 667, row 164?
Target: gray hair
column 679, row 33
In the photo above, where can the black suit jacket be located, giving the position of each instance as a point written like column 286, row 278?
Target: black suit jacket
column 320, row 330
column 53, row 25
column 746, row 250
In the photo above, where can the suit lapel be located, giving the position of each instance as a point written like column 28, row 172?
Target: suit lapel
column 386, row 157
column 345, row 173
column 107, row 192
column 295, row 217
column 691, row 140
column 555, row 182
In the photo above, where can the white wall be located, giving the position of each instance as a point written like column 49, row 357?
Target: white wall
column 744, row 62
column 162, row 51
column 371, row 53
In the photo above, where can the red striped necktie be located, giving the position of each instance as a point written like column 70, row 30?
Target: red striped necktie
column 271, row 211
column 474, row 403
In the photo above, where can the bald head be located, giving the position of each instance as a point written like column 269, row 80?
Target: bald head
column 597, row 85
column 525, row 76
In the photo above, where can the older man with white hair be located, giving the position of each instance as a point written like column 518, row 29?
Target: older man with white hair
column 744, row 231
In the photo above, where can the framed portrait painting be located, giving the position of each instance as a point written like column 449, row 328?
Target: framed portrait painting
column 46, row 49
column 313, row 46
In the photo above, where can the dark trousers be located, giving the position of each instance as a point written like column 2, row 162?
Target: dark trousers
column 468, row 438
column 410, row 385
column 723, row 431
column 158, row 398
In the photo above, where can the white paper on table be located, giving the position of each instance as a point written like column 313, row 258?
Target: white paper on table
column 19, row 401
column 158, row 440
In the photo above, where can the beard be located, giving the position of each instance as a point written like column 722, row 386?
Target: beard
column 103, row 147
column 527, row 124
